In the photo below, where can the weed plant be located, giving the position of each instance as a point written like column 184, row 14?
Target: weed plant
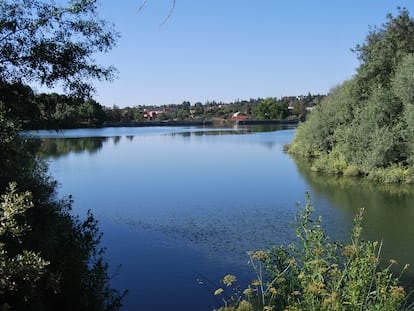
column 316, row 274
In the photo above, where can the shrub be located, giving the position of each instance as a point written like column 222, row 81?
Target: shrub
column 394, row 174
column 331, row 163
column 368, row 119
column 316, row 274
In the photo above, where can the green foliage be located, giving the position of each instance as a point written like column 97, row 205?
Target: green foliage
column 364, row 127
column 49, row 110
column 272, row 109
column 316, row 274
column 403, row 88
column 12, row 151
column 396, row 173
column 317, row 135
column 21, row 271
column 49, row 259
column 19, row 100
column 383, row 50
column 53, row 42
column 403, row 81
column 60, row 111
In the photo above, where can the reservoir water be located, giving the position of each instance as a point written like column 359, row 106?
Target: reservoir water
column 180, row 206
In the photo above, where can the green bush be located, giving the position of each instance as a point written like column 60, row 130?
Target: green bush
column 393, row 174
column 331, row 163
column 49, row 258
column 365, row 125
column 316, row 274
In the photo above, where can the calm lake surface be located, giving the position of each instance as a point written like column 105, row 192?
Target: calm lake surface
column 181, row 206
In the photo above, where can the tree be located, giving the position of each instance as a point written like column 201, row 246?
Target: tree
column 403, row 88
column 265, row 109
column 383, row 49
column 365, row 125
column 91, row 113
column 270, row 108
column 49, row 43
column 49, row 259
column 19, row 101
column 46, row 103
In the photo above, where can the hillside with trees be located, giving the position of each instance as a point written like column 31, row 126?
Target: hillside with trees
column 365, row 126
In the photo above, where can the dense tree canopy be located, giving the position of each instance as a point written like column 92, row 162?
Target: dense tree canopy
column 53, row 42
column 364, row 127
column 382, row 52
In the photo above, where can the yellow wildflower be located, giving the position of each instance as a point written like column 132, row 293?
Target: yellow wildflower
column 245, row 306
column 349, row 251
column 331, row 299
column 372, row 259
column 322, row 270
column 260, row 255
column 393, row 261
column 248, row 291
column 218, row 291
column 335, row 272
column 318, row 251
column 316, row 262
column 397, row 292
column 316, row 288
column 255, row 283
column 229, row 279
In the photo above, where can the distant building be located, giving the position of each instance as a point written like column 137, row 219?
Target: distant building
column 237, row 117
column 150, row 114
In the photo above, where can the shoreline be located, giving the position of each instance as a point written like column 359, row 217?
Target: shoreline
column 196, row 123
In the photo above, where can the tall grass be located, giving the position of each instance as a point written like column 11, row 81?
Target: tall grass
column 317, row 274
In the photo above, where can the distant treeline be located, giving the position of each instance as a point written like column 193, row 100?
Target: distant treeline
column 293, row 107
column 52, row 111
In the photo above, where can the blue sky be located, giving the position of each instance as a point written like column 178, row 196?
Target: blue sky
column 225, row 50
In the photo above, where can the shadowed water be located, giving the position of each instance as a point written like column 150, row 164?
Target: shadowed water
column 180, row 207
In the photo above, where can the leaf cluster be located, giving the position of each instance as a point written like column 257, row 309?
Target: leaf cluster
column 49, row 42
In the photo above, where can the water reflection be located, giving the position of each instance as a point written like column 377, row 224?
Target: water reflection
column 58, row 147
column 234, row 130
column 57, row 144
column 389, row 209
